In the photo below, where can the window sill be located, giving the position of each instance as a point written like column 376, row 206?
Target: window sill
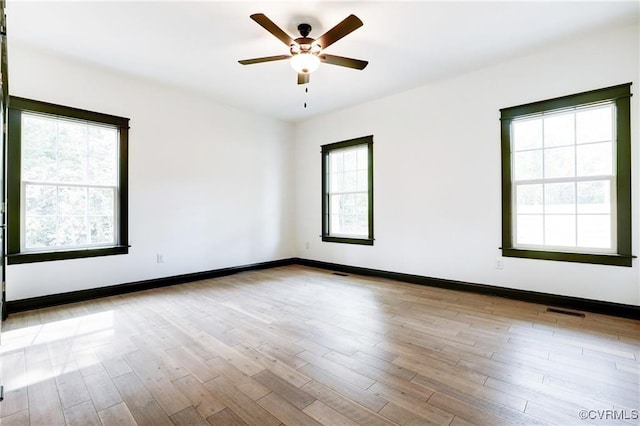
column 597, row 259
column 348, row 240
column 18, row 258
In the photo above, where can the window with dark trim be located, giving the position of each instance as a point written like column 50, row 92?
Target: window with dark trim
column 67, row 183
column 347, row 191
column 566, row 178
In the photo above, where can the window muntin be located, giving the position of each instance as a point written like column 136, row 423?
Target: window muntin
column 564, row 178
column 69, row 183
column 347, row 189
column 567, row 195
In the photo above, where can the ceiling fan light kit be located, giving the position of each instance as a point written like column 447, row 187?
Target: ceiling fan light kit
column 305, row 62
column 306, row 53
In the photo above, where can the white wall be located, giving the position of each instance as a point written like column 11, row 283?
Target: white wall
column 209, row 186
column 437, row 192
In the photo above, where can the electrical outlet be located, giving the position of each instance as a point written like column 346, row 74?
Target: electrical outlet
column 499, row 264
column 307, row 245
column 159, row 258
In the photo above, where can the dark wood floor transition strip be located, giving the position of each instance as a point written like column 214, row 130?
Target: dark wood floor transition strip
column 567, row 302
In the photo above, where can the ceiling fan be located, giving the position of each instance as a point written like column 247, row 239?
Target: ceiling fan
column 306, row 53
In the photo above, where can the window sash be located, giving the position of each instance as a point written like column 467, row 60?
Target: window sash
column 516, row 183
column 331, row 192
column 86, row 216
column 576, row 248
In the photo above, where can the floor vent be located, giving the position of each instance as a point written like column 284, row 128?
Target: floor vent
column 562, row 311
column 340, row 274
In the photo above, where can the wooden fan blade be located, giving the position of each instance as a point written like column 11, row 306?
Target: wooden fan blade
column 344, row 62
column 265, row 59
column 303, row 78
column 268, row 25
column 348, row 25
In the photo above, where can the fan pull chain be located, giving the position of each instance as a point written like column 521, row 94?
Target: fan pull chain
column 306, row 91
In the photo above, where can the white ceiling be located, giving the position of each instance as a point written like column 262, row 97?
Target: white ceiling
column 196, row 45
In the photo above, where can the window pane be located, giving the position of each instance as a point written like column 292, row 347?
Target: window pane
column 350, row 181
column 595, row 159
column 350, row 160
column 527, row 165
column 594, row 197
column 560, row 230
column 101, row 171
column 334, row 224
column 335, row 202
column 595, row 125
column 594, row 231
column 529, row 199
column 337, row 182
column 101, row 201
column 102, row 141
column 363, row 181
column 527, row 134
column 38, row 132
column 71, row 167
column 72, row 230
column 559, row 162
column 72, row 137
column 363, row 158
column 40, row 231
column 559, row 130
column 40, row 200
column 101, row 229
column 560, row 198
column 336, row 161
column 39, row 165
column 529, row 229
column 72, row 201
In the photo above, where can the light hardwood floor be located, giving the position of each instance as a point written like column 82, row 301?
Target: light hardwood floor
column 301, row 346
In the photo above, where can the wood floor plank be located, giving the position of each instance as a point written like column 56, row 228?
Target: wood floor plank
column 205, row 402
column 285, row 411
column 20, row 418
column 71, row 387
column 193, row 363
column 345, row 406
column 44, row 405
column 245, row 383
column 362, row 397
column 326, row 415
column 414, row 405
column 102, row 390
column 274, row 365
column 188, row 416
column 295, row 396
column 15, row 401
column 226, row 417
column 83, row 414
column 243, row 406
column 144, row 409
column 118, row 414
column 347, row 374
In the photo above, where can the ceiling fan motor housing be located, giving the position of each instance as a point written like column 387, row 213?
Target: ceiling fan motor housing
column 304, row 29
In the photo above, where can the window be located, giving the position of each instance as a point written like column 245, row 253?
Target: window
column 347, row 191
column 67, row 182
column 566, row 178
